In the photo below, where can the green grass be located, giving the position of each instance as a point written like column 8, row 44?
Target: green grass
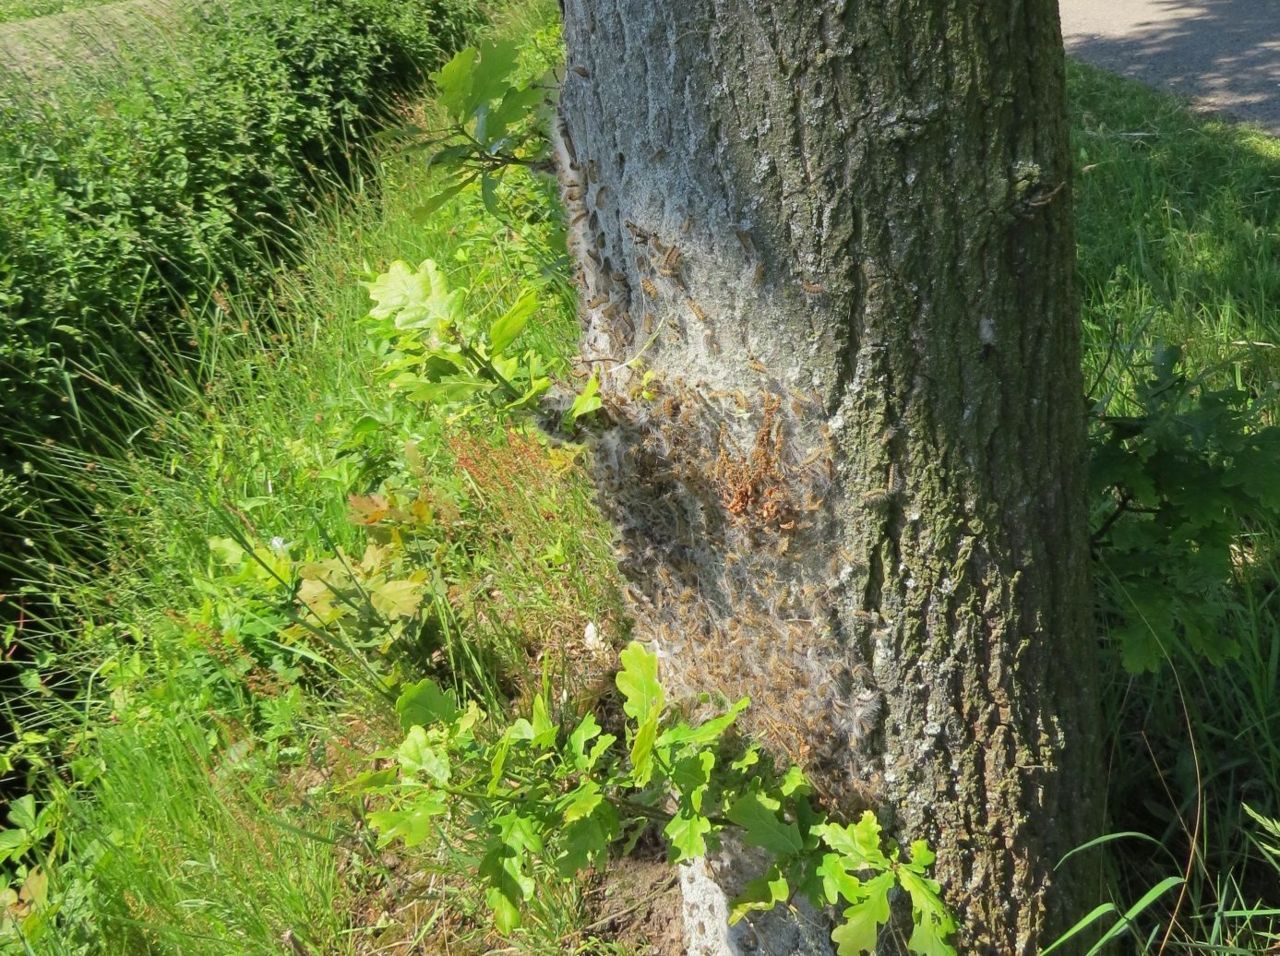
column 181, row 161
column 178, row 848
column 1179, row 244
column 1177, row 232
column 14, row 10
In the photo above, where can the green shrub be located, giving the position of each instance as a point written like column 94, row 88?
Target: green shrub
column 174, row 174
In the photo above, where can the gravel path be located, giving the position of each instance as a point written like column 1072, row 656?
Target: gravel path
column 1222, row 54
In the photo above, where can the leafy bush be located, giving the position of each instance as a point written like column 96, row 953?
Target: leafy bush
column 122, row 196
column 1180, row 484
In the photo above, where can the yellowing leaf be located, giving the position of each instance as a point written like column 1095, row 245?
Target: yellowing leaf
column 367, row 509
column 35, row 888
column 398, row 598
column 374, row 558
column 318, row 598
column 413, row 298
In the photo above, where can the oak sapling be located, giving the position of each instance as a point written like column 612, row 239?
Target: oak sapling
column 537, row 800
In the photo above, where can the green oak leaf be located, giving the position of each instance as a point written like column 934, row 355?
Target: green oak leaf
column 933, row 921
column 424, row 703
column 837, row 881
column 862, row 921
column 588, row 400
column 414, row 298
column 642, row 752
column 860, row 843
column 687, row 832
column 757, row 815
column 508, row 326
column 921, row 857
column 544, row 730
column 370, row 780
column 515, row 105
column 691, row 776
column 588, row 729
column 489, row 77
column 601, row 747
column 498, row 763
column 506, row 914
column 453, row 82
column 763, row 893
column 417, row 755
column 705, row 733
column 638, row 682
column 411, row 824
column 503, row 868
column 794, row 782
column 582, row 801
column 584, row 840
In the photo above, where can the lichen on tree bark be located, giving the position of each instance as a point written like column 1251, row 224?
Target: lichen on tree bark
column 836, row 237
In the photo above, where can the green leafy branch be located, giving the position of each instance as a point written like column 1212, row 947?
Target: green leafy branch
column 544, row 801
column 439, row 354
column 493, row 122
column 436, row 352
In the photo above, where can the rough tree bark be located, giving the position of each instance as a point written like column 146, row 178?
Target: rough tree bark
column 838, row 236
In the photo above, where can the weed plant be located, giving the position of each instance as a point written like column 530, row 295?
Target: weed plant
column 211, row 523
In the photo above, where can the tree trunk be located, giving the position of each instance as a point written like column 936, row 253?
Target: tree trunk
column 826, row 259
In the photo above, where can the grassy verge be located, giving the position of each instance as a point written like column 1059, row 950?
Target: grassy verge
column 14, row 10
column 300, row 538
column 200, row 722
column 173, row 163
column 1176, row 230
